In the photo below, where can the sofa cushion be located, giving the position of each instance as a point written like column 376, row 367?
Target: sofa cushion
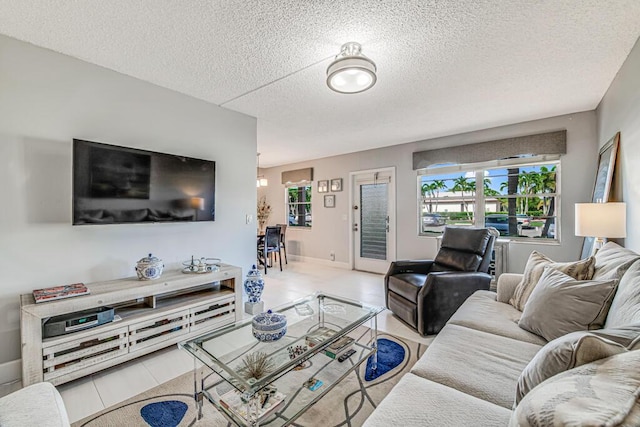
column 128, row 215
column 462, row 249
column 581, row 270
column 415, row 401
column 612, row 260
column 571, row 350
column 465, row 239
column 625, row 307
column 407, row 285
column 559, row 304
column 601, row 393
column 449, row 259
column 483, row 365
column 482, row 312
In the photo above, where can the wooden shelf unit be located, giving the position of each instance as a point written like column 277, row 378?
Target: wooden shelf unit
column 154, row 314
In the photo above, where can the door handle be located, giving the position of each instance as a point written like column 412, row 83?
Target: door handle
column 387, row 223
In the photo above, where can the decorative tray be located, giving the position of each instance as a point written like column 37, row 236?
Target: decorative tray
column 201, row 265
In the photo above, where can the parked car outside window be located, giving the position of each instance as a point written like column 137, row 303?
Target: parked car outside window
column 431, row 220
column 501, row 222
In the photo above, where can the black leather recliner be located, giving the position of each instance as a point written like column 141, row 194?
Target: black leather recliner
column 426, row 293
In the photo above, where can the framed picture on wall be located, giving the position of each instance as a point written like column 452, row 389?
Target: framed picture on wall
column 602, row 187
column 330, row 201
column 336, row 184
column 323, row 186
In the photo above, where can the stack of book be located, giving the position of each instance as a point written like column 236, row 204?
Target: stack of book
column 319, row 335
column 233, row 402
column 338, row 348
column 60, row 292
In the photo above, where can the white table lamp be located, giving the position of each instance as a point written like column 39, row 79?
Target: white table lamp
column 601, row 220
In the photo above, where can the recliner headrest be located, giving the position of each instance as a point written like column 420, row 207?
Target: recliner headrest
column 464, row 239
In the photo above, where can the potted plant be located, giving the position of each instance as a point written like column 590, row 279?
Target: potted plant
column 264, row 210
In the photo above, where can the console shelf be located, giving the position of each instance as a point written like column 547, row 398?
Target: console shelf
column 152, row 315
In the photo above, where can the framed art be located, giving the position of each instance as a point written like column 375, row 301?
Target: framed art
column 602, row 186
column 323, row 186
column 336, row 184
column 330, row 201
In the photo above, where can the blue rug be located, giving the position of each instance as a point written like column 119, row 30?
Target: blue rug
column 164, row 414
column 390, row 355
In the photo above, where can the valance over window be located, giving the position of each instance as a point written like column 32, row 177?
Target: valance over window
column 532, row 145
column 298, row 175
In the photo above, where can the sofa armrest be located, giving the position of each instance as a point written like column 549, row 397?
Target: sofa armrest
column 443, row 293
column 412, row 266
column 507, row 283
column 402, row 267
column 39, row 404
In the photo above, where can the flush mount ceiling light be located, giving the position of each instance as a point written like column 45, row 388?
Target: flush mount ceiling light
column 351, row 71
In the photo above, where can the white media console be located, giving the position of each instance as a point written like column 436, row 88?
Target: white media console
column 154, row 314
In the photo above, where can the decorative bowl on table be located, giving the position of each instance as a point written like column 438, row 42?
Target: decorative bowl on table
column 149, row 268
column 269, row 326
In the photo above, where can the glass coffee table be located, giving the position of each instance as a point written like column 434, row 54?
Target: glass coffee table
column 253, row 382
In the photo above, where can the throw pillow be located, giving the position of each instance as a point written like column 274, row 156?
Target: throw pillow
column 600, row 393
column 581, row 270
column 560, row 304
column 625, row 307
column 612, row 261
column 572, row 350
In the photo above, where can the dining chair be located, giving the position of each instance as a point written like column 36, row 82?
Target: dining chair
column 283, row 231
column 270, row 245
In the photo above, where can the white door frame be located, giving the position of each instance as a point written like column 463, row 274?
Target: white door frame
column 392, row 215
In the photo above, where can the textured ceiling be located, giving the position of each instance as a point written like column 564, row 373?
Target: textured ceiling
column 445, row 67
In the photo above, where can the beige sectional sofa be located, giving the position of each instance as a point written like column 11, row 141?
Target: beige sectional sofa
column 468, row 375
column 36, row 405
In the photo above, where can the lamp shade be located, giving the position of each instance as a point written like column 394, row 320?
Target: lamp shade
column 601, row 220
column 197, row 203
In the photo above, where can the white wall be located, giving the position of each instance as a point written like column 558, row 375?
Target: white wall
column 46, row 100
column 330, row 231
column 619, row 111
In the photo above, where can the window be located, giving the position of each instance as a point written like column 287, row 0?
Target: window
column 519, row 199
column 299, row 205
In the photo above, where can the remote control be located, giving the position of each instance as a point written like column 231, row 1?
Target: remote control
column 346, row 355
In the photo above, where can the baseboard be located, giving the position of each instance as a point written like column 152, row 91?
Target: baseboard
column 327, row 262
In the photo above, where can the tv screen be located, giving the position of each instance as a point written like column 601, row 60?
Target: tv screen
column 117, row 185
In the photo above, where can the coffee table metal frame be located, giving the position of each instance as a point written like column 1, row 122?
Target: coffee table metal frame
column 223, row 352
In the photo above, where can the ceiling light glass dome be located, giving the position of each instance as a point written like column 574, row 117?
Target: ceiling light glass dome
column 351, row 71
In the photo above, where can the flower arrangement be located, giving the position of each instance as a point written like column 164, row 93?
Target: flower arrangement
column 264, row 210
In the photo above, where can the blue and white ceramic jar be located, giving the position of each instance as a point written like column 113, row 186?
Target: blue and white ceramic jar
column 254, row 285
column 149, row 268
column 269, row 326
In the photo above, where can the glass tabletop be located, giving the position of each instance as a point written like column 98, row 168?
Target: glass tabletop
column 313, row 324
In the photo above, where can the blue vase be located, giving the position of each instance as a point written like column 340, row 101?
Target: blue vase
column 254, row 285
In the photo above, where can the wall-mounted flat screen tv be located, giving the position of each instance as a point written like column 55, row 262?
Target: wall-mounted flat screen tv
column 120, row 185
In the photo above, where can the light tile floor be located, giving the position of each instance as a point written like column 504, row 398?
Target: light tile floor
column 91, row 394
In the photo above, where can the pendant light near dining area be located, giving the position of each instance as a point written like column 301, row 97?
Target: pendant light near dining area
column 261, row 181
